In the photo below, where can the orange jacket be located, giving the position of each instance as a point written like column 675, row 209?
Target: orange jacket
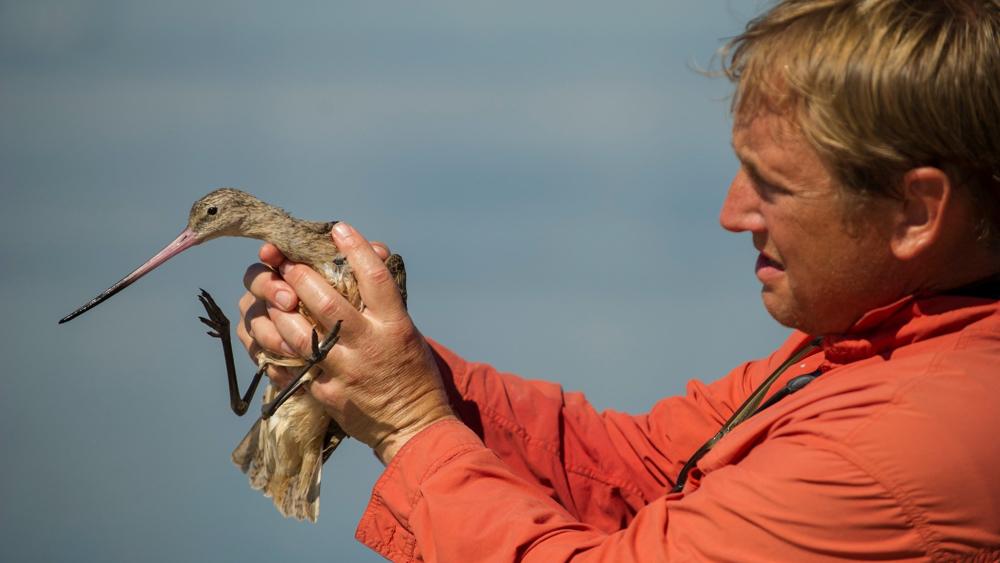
column 892, row 454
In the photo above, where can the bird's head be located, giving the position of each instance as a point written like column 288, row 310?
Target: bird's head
column 223, row 212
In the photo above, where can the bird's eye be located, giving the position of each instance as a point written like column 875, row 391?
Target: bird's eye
column 213, row 210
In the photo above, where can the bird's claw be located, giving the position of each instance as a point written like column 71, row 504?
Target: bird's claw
column 319, row 353
column 217, row 320
column 320, row 350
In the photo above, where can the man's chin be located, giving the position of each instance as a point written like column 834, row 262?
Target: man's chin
column 780, row 309
column 793, row 314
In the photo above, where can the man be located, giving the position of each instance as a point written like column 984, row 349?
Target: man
column 869, row 139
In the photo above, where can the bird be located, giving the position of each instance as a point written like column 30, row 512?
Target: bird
column 284, row 451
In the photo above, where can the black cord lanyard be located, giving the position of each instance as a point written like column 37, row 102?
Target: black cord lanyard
column 752, row 406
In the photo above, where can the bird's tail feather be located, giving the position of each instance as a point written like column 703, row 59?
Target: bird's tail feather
column 284, row 460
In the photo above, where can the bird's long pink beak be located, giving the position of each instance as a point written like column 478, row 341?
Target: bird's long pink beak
column 185, row 240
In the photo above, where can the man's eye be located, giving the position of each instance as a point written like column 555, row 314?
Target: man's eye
column 768, row 189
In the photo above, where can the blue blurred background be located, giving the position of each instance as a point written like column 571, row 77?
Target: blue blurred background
column 551, row 171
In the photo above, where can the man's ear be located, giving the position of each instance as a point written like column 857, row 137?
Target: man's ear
column 926, row 193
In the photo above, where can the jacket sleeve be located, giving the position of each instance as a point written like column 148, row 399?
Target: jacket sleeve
column 445, row 497
column 602, row 468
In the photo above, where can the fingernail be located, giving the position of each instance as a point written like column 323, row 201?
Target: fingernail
column 283, row 299
column 286, row 349
column 283, row 267
column 343, row 230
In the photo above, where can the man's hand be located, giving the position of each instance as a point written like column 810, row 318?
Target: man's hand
column 380, row 382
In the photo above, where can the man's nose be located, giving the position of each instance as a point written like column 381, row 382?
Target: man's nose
column 741, row 208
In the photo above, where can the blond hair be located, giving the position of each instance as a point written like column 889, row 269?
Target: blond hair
column 879, row 87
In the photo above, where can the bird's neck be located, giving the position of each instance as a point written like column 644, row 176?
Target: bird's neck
column 301, row 241
column 269, row 224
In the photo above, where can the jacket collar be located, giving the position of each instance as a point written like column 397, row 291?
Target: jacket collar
column 911, row 319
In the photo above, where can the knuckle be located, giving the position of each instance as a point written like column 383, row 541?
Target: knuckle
column 294, row 274
column 327, row 306
column 245, row 302
column 243, row 335
column 302, row 342
column 379, row 275
column 349, row 243
column 401, row 330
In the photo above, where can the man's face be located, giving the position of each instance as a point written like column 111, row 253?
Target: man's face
column 820, row 271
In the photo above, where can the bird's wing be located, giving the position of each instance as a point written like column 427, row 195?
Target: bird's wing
column 398, row 270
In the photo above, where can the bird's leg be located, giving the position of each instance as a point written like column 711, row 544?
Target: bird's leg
column 219, row 324
column 319, row 352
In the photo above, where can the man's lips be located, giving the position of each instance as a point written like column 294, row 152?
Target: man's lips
column 763, row 260
column 767, row 269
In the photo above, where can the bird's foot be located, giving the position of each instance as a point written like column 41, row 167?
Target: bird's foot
column 319, row 353
column 219, row 324
column 217, row 320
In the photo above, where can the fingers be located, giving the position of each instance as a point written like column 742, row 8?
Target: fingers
column 378, row 289
column 248, row 342
column 294, row 329
column 324, row 303
column 266, row 284
column 257, row 332
column 292, row 335
column 270, row 255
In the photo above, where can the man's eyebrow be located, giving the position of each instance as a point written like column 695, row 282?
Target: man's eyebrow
column 750, row 168
column 756, row 175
